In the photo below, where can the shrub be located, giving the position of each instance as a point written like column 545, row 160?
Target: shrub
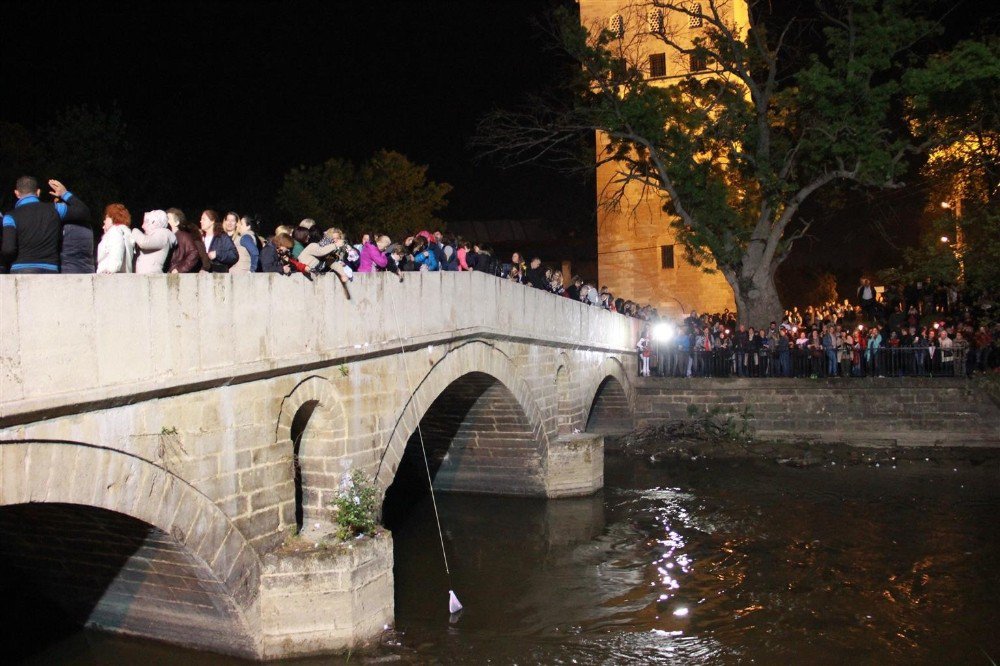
column 356, row 506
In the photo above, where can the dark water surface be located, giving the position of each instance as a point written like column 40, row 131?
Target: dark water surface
column 692, row 564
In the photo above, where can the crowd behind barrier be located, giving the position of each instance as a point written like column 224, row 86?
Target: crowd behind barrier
column 921, row 329
column 918, row 330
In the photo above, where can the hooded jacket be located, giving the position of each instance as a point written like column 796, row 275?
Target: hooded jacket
column 371, row 257
column 153, row 246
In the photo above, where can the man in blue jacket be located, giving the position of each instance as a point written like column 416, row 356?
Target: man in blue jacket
column 33, row 230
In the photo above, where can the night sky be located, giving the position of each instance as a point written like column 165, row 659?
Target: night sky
column 227, row 96
column 230, row 95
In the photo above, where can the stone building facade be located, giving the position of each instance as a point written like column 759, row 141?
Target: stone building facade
column 638, row 254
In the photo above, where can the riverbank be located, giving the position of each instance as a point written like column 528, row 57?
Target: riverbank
column 712, row 437
column 874, row 413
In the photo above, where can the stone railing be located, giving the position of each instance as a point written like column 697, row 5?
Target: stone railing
column 66, row 341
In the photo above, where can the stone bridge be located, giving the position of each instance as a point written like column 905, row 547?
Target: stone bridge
column 161, row 438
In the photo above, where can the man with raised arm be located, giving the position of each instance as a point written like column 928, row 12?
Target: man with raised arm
column 33, row 230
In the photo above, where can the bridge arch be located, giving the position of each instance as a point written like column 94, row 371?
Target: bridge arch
column 312, row 431
column 126, row 546
column 610, row 403
column 473, row 405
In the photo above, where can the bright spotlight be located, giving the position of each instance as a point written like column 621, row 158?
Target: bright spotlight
column 663, row 332
column 944, row 239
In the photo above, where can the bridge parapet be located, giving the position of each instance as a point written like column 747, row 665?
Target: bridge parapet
column 108, row 339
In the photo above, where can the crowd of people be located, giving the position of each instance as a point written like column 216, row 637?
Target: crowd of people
column 923, row 329
column 56, row 237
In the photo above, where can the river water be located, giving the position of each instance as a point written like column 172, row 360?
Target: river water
column 690, row 563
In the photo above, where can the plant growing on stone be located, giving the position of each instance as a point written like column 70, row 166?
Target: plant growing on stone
column 356, row 506
column 731, row 424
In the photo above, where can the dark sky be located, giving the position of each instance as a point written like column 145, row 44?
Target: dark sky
column 225, row 97
column 230, row 95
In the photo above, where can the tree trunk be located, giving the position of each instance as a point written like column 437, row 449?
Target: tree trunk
column 757, row 301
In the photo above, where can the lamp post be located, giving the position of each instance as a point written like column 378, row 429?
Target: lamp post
column 959, row 247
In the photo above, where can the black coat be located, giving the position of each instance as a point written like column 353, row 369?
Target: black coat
column 487, row 263
column 535, row 277
column 270, row 262
column 77, row 255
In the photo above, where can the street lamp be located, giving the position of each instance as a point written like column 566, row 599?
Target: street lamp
column 959, row 236
column 663, row 332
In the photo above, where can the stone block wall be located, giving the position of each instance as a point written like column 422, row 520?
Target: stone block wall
column 480, row 440
column 947, row 412
column 575, row 465
column 321, row 601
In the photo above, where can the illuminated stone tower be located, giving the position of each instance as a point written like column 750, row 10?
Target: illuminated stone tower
column 638, row 256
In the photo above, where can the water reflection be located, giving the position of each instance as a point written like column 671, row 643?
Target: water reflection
column 699, row 564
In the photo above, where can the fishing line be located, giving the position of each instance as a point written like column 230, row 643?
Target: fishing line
column 454, row 605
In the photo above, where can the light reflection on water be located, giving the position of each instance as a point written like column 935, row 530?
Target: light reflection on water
column 735, row 563
column 700, row 564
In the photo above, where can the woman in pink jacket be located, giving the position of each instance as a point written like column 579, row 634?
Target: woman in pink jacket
column 373, row 255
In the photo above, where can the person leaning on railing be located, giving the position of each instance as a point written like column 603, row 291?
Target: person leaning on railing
column 947, row 347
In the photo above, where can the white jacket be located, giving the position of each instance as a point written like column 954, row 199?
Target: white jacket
column 153, row 249
column 116, row 251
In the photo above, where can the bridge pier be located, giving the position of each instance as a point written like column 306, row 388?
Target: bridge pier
column 323, row 601
column 575, row 465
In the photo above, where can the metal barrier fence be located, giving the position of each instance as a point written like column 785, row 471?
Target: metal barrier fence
column 804, row 362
